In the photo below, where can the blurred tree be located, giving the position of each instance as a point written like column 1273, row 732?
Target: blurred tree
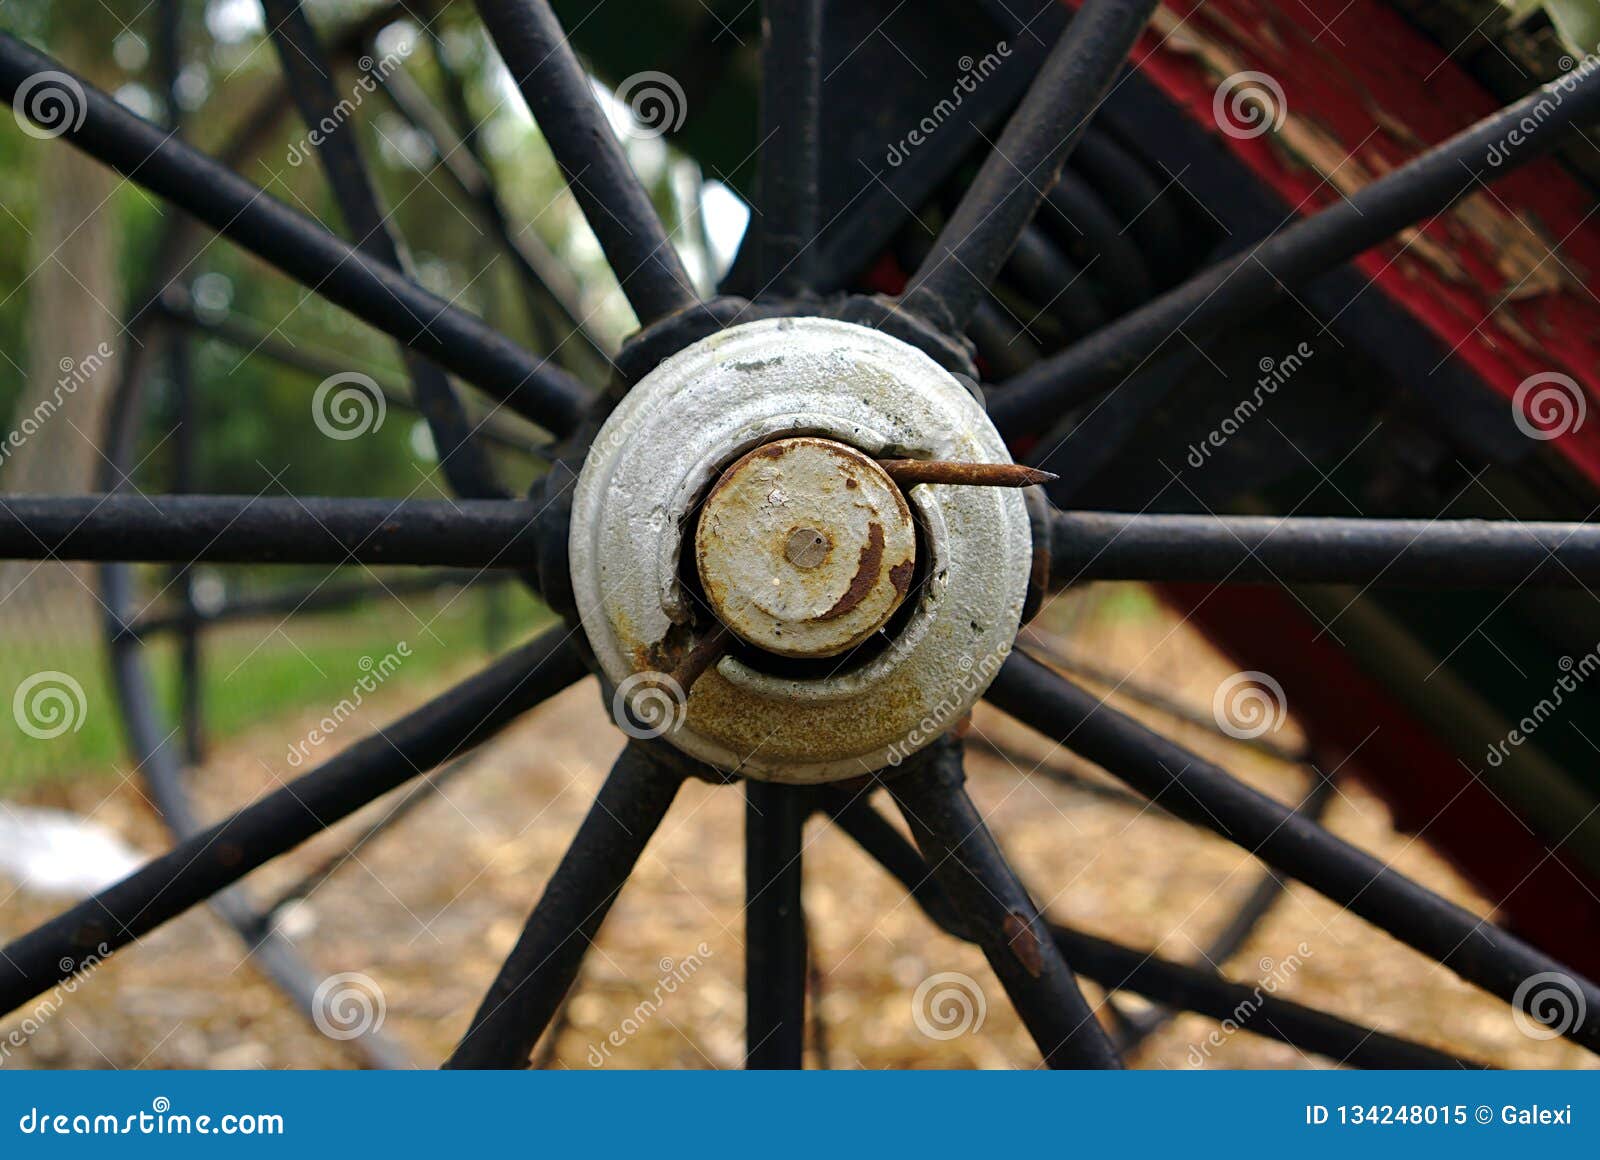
column 77, row 242
column 74, row 302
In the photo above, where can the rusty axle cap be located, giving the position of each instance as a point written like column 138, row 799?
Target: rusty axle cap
column 805, row 547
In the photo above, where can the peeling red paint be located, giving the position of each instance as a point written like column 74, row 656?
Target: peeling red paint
column 1384, row 89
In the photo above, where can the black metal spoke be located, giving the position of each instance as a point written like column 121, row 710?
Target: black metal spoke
column 1207, row 796
column 220, row 855
column 791, row 132
column 1186, row 988
column 1239, row 287
column 150, row 746
column 225, row 529
column 990, row 257
column 328, row 596
column 553, row 294
column 299, row 247
column 618, row 209
column 1120, row 968
column 152, row 753
column 169, row 67
column 309, row 72
column 1026, row 162
column 1045, row 273
column 1000, row 339
column 541, row 967
column 1312, row 550
column 425, row 790
column 1096, row 235
column 246, row 138
column 261, row 343
column 774, row 925
column 998, row 911
column 1228, row 941
column 182, row 579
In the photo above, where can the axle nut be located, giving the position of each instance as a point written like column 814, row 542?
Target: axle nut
column 805, row 547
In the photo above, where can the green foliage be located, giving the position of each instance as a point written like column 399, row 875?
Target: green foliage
column 1577, row 22
column 253, row 674
column 254, row 421
column 16, row 212
column 255, row 417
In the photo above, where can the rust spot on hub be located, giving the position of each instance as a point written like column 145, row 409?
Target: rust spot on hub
column 866, row 574
column 900, row 576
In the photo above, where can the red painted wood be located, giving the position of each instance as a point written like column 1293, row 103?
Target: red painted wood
column 1387, row 92
column 1380, row 92
column 1384, row 92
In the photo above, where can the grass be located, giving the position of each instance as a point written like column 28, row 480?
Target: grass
column 251, row 674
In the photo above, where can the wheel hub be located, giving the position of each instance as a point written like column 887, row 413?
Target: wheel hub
column 737, row 485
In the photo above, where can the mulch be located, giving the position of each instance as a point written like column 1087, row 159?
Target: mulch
column 428, row 910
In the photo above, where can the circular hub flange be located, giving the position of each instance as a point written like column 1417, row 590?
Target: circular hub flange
column 805, row 547
column 672, row 471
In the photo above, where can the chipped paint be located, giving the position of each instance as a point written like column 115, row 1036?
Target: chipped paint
column 1502, row 277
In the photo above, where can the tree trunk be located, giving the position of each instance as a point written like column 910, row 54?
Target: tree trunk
column 75, row 345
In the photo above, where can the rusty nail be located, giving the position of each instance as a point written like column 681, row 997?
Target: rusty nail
column 707, row 652
column 906, row 472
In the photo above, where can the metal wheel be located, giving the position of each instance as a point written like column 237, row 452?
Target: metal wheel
column 786, row 534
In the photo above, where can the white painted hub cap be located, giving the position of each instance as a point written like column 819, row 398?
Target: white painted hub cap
column 774, row 566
